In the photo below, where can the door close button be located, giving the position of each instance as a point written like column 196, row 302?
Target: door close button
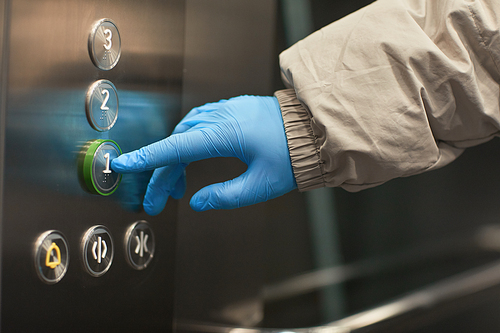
column 139, row 245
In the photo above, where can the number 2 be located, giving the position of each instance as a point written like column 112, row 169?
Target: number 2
column 109, row 43
column 107, row 170
column 106, row 98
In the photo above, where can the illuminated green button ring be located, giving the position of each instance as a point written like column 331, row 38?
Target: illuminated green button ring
column 97, row 174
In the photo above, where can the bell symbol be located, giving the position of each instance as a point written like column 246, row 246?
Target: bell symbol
column 48, row 261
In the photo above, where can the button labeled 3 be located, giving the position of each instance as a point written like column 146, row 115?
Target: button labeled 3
column 105, row 44
column 139, row 245
column 97, row 250
column 101, row 105
column 51, row 256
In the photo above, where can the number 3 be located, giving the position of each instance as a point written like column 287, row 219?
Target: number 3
column 109, row 43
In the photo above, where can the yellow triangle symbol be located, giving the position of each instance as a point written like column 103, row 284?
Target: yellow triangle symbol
column 53, row 264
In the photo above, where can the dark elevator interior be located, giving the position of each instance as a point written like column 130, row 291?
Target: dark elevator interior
column 417, row 254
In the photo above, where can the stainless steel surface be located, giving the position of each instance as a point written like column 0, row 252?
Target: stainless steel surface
column 46, row 71
column 4, row 28
column 105, row 44
column 229, row 52
column 140, row 245
column 213, row 328
column 482, row 240
column 448, row 290
column 102, row 105
column 423, row 302
column 51, row 256
column 97, row 250
column 103, row 177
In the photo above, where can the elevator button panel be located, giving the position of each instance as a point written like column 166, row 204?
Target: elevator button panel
column 139, row 245
column 105, row 44
column 97, row 250
column 96, row 162
column 51, row 256
column 101, row 105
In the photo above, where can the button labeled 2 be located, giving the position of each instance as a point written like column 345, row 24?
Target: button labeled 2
column 105, row 44
column 95, row 166
column 101, row 105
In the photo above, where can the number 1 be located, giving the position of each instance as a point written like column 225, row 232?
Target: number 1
column 107, row 170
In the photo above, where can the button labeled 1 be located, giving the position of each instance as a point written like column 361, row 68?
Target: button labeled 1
column 101, row 105
column 139, row 245
column 51, row 256
column 105, row 44
column 95, row 166
column 97, row 250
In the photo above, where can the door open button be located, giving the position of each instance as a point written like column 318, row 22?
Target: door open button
column 97, row 250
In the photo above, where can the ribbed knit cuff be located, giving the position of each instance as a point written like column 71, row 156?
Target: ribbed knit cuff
column 302, row 146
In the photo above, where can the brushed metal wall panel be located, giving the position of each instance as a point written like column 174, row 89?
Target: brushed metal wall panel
column 48, row 75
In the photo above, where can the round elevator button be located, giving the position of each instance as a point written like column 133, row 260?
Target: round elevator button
column 104, row 44
column 101, row 105
column 51, row 256
column 139, row 245
column 97, row 250
column 95, row 166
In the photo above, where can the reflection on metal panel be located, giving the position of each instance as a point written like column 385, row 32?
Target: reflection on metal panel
column 229, row 52
column 49, row 74
column 3, row 93
column 456, row 296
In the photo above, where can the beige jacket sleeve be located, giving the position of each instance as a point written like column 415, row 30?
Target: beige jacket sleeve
column 395, row 89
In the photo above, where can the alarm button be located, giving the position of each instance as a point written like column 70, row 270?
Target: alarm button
column 139, row 245
column 95, row 166
column 104, row 44
column 51, row 256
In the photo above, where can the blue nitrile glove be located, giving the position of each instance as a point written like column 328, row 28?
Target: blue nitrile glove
column 247, row 127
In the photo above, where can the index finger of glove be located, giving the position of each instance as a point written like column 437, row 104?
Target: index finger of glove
column 179, row 148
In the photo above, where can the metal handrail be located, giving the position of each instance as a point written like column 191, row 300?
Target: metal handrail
column 485, row 238
column 446, row 290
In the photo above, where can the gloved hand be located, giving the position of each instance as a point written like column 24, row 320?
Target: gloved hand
column 247, row 127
